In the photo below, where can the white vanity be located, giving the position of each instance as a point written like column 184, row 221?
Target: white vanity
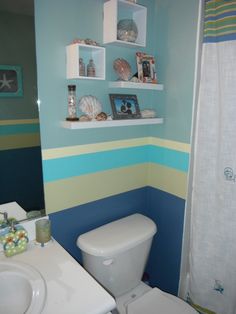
column 69, row 288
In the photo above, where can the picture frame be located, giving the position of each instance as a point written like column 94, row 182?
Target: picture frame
column 11, row 81
column 124, row 106
column 146, row 68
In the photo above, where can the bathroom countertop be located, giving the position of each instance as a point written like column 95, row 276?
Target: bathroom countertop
column 70, row 289
column 14, row 210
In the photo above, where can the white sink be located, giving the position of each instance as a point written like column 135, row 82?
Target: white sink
column 23, row 289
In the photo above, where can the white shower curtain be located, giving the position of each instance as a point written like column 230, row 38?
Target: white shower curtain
column 212, row 283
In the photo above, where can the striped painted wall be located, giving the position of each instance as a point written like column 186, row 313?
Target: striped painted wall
column 21, row 167
column 81, row 174
column 220, row 20
column 16, row 134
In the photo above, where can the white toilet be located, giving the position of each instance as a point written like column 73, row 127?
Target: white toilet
column 116, row 254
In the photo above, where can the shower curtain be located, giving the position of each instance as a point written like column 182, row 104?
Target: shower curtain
column 212, row 261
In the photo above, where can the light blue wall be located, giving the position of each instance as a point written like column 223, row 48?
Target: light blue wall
column 171, row 38
column 176, row 31
column 58, row 22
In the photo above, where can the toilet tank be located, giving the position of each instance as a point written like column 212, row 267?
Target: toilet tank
column 116, row 253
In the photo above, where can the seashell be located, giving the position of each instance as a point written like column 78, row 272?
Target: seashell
column 148, row 113
column 134, row 79
column 122, row 69
column 90, row 106
column 84, row 118
column 102, row 116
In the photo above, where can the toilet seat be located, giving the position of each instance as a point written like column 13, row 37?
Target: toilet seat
column 158, row 302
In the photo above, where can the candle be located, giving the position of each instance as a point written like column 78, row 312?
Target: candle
column 43, row 230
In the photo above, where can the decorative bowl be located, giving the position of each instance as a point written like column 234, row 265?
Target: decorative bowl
column 127, row 30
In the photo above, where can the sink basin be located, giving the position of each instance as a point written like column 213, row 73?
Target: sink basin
column 23, row 289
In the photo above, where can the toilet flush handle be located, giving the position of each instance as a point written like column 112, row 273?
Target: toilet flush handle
column 108, row 262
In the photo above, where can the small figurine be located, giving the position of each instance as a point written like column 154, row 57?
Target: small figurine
column 81, row 67
column 91, row 70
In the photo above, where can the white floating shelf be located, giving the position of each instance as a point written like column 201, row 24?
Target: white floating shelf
column 109, row 123
column 124, row 84
column 76, row 51
column 116, row 10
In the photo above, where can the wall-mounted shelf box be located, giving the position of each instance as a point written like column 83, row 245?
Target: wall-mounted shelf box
column 87, row 52
column 114, row 11
column 127, row 84
column 110, row 123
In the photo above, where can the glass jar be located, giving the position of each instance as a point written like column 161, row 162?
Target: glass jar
column 81, row 67
column 127, row 30
column 72, row 104
column 91, row 70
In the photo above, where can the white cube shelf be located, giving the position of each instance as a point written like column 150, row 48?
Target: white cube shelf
column 114, row 11
column 87, row 52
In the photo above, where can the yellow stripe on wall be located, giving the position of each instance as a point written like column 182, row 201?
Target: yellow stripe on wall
column 76, row 191
column 168, row 180
column 19, row 141
column 84, row 189
column 99, row 147
column 179, row 146
column 20, row 121
column 91, row 148
column 217, row 14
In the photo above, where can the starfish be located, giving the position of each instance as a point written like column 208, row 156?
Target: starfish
column 5, row 82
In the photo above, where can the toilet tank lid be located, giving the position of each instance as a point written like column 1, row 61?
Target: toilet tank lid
column 117, row 236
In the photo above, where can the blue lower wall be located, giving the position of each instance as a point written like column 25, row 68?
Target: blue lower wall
column 68, row 224
column 163, row 265
column 21, row 177
column 165, row 209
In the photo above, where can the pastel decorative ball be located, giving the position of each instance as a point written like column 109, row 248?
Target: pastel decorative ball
column 122, row 69
column 127, row 30
column 90, row 106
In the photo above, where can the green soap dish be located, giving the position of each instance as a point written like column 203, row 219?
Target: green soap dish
column 14, row 241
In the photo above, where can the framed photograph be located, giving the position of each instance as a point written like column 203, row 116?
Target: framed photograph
column 124, row 106
column 146, row 68
column 11, row 81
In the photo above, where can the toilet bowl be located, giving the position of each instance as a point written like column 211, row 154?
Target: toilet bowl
column 116, row 254
column 146, row 300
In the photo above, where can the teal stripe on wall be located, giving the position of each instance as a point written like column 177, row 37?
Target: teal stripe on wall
column 19, row 129
column 66, row 167
column 169, row 158
column 61, row 168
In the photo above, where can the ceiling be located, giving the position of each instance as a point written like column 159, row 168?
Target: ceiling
column 25, row 7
